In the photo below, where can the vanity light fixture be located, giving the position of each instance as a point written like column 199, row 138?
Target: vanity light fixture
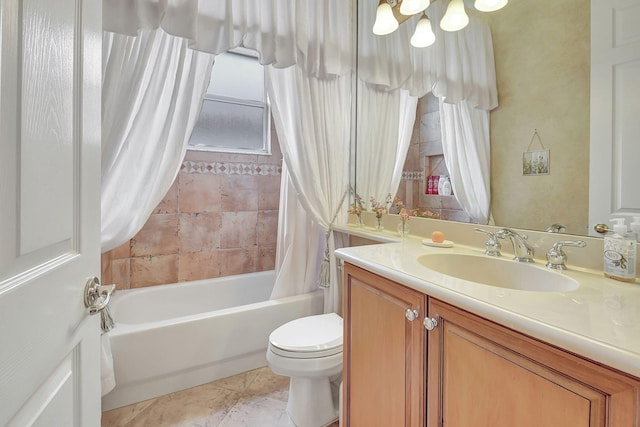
column 411, row 7
column 385, row 23
column 490, row 5
column 423, row 36
column 391, row 13
column 455, row 18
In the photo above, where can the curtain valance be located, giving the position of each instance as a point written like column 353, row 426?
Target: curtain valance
column 318, row 36
column 315, row 35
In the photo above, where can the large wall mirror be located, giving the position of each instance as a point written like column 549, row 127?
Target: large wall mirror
column 542, row 66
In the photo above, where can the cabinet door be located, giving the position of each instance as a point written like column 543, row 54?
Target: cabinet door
column 385, row 359
column 482, row 374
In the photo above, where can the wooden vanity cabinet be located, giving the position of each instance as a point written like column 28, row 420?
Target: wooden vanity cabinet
column 485, row 375
column 467, row 371
column 384, row 352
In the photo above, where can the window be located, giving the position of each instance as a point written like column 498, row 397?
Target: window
column 235, row 110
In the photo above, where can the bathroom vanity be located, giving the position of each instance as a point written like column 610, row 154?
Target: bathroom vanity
column 428, row 349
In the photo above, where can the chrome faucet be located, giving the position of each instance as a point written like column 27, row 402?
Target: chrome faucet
column 556, row 257
column 521, row 249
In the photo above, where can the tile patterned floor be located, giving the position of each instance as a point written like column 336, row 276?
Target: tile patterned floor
column 252, row 399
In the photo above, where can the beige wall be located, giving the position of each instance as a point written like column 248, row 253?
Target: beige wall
column 219, row 218
column 542, row 65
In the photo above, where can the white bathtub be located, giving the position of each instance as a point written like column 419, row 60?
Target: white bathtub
column 172, row 337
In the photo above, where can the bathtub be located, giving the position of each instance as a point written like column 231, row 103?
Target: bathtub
column 172, row 337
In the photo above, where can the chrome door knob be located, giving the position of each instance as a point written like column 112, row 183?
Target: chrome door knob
column 430, row 323
column 411, row 314
column 96, row 296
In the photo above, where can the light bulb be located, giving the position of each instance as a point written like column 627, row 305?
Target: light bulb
column 423, row 35
column 385, row 23
column 455, row 18
column 490, row 5
column 411, row 7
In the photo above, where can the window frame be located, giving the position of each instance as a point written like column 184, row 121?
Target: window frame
column 266, row 115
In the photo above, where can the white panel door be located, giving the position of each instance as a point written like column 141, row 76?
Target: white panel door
column 614, row 186
column 49, row 211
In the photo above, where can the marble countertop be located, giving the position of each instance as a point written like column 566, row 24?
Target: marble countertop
column 599, row 320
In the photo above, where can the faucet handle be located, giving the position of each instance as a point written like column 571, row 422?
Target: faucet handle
column 556, row 257
column 492, row 246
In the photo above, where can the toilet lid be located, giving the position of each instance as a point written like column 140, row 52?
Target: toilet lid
column 320, row 335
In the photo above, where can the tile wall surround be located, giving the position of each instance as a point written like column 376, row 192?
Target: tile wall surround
column 219, row 218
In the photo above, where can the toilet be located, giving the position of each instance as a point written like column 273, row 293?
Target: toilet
column 309, row 351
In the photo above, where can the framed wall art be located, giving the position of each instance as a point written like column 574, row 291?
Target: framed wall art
column 535, row 162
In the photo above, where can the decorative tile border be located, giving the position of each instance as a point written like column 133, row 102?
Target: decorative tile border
column 413, row 175
column 229, row 168
column 265, row 169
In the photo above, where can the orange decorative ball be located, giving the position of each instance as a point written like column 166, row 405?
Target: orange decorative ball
column 437, row 237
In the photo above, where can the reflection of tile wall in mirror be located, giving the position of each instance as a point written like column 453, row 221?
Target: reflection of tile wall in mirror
column 425, row 157
column 435, row 165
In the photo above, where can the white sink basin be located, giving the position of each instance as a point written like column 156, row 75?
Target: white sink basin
column 499, row 272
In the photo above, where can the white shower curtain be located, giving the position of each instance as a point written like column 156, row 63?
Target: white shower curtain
column 300, row 245
column 151, row 96
column 311, row 116
column 316, row 36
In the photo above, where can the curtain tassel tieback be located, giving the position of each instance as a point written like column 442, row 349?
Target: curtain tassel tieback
column 106, row 321
column 325, row 272
column 324, row 281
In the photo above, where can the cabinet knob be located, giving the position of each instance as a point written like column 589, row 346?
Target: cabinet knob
column 411, row 315
column 430, row 323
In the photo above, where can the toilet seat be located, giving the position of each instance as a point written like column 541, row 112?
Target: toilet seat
column 308, row 337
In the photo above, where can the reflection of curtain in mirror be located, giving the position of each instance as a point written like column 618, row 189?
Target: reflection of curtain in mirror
column 465, row 142
column 385, row 123
column 459, row 65
column 407, row 117
column 459, row 69
column 464, row 116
